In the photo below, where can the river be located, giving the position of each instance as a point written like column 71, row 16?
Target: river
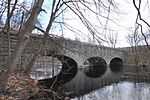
column 124, row 90
column 109, row 86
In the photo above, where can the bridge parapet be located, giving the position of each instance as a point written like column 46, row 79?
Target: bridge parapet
column 82, row 51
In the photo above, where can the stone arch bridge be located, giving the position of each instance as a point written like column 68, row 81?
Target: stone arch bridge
column 72, row 54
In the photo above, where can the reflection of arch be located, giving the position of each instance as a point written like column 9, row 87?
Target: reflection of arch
column 68, row 72
column 45, row 67
column 69, row 68
column 116, row 64
column 97, row 67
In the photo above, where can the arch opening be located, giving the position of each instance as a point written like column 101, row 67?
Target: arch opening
column 66, row 74
column 116, row 65
column 45, row 67
column 96, row 68
column 69, row 69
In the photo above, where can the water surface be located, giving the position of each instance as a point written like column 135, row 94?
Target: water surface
column 125, row 90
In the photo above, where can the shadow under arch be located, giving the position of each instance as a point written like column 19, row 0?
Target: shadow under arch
column 116, row 65
column 96, row 67
column 67, row 73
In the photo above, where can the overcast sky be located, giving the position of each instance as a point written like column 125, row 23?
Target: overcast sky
column 121, row 23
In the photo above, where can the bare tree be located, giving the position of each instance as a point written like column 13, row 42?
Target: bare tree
column 134, row 40
column 24, row 18
column 139, row 52
column 56, row 11
column 140, row 35
column 25, row 32
column 138, row 6
column 112, row 39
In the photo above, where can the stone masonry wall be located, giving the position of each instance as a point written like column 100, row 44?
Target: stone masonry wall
column 31, row 48
column 79, row 51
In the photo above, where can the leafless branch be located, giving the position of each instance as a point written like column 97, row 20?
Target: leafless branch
column 140, row 18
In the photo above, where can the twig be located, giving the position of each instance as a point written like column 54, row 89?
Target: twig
column 1, row 69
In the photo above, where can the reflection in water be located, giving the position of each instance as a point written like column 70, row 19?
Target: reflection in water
column 67, row 73
column 45, row 67
column 47, row 72
column 121, row 91
column 96, row 68
column 109, row 86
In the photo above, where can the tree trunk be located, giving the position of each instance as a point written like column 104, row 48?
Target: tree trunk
column 45, row 37
column 31, row 63
column 24, row 33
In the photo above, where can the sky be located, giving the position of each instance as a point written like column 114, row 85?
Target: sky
column 121, row 24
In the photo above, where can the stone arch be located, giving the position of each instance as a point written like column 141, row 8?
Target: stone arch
column 96, row 67
column 45, row 67
column 66, row 74
column 116, row 65
column 69, row 68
